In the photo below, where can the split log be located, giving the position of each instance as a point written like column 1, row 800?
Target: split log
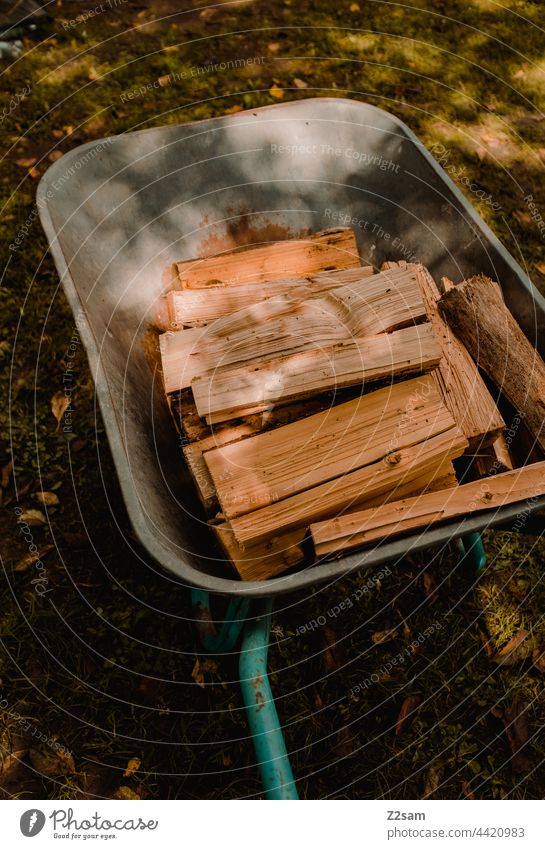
column 477, row 313
column 414, row 514
column 336, row 495
column 462, row 387
column 494, row 458
column 264, row 558
column 199, row 437
column 225, row 394
column 197, row 307
column 274, row 465
column 361, row 308
column 325, row 251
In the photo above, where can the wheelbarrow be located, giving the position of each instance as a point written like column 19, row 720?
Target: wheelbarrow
column 118, row 211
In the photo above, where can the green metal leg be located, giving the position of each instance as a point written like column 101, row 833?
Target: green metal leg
column 472, row 551
column 270, row 748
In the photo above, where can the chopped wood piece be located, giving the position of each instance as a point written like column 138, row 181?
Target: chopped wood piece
column 264, row 558
column 227, row 393
column 274, row 465
column 325, row 251
column 414, row 514
column 494, row 458
column 368, row 482
column 477, row 313
column 458, row 379
column 362, row 308
column 197, row 307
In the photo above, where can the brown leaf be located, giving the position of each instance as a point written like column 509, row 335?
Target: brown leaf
column 50, row 499
column 430, row 587
column 538, row 658
column 354, row 7
column 487, row 645
column 59, row 403
column 55, row 155
column 517, row 729
column 52, row 763
column 468, row 792
column 26, row 162
column 299, row 83
column 34, row 173
column 407, row 714
column 522, row 216
column 33, row 518
column 273, row 46
column 57, row 134
column 540, row 266
column 133, row 766
column 126, row 793
column 30, row 559
column 6, row 472
column 333, row 656
column 434, row 776
column 93, row 75
column 197, row 674
column 514, row 651
column 385, row 636
column 233, row 109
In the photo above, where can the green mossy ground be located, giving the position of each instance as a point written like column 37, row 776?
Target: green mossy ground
column 105, row 663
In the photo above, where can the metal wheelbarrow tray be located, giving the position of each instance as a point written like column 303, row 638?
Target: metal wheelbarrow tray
column 118, row 211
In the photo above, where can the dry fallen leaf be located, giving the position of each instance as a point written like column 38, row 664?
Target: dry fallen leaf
column 33, row 518
column 540, row 266
column 126, row 793
column 430, row 587
column 468, row 792
column 333, row 655
column 55, row 155
column 59, row 403
column 50, row 499
column 133, row 766
column 407, row 714
column 197, row 674
column 5, row 474
column 164, row 80
column 27, row 162
column 299, row 83
column 51, row 763
column 274, row 46
column 354, row 7
column 514, row 651
column 276, row 91
column 34, row 173
column 57, row 134
column 233, row 109
column 538, row 658
column 30, row 559
column 385, row 636
column 517, row 729
column 93, row 75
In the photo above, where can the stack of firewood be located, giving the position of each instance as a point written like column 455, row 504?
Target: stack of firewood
column 325, row 406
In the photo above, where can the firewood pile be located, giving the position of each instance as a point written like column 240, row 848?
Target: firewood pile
column 326, row 406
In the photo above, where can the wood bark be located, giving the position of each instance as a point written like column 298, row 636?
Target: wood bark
column 476, row 312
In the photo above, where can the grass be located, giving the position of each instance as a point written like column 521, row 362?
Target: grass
column 104, row 663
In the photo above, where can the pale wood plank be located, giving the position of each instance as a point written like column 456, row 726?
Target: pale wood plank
column 271, row 466
column 328, row 250
column 327, row 499
column 401, row 517
column 225, row 394
column 197, row 307
column 364, row 307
